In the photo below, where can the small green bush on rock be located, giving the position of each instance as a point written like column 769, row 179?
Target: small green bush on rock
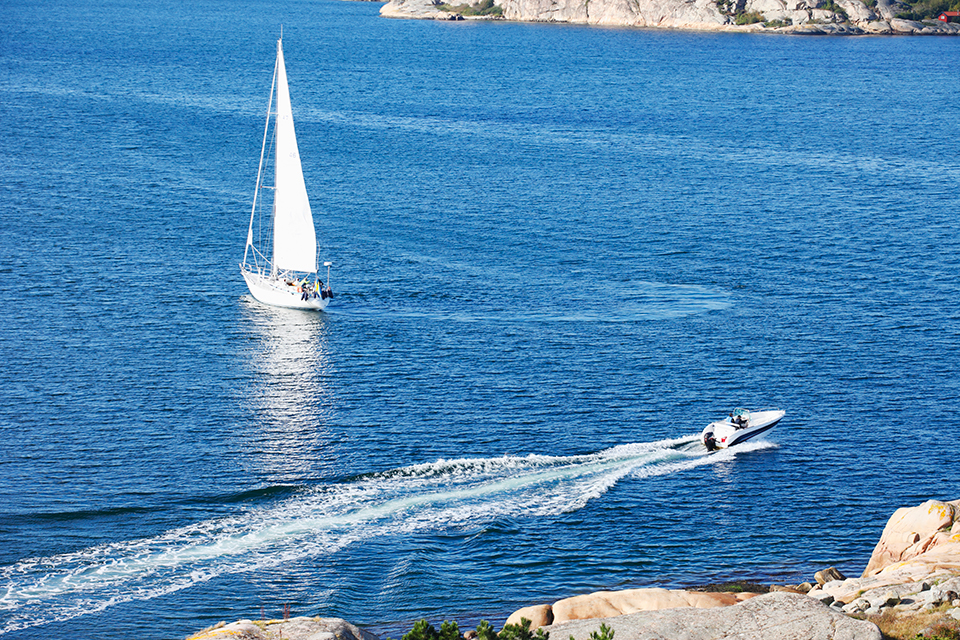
column 522, row 632
column 749, row 17
column 485, row 631
column 481, row 8
column 423, row 630
column 605, row 633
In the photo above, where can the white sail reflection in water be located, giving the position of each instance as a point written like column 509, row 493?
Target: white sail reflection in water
column 291, row 397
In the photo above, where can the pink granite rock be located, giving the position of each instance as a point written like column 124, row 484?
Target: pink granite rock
column 928, row 534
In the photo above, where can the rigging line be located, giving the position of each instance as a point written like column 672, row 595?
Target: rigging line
column 266, row 128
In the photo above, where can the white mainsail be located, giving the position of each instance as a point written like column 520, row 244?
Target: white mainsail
column 294, row 238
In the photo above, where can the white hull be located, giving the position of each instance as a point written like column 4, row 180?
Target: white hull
column 281, row 293
column 725, row 433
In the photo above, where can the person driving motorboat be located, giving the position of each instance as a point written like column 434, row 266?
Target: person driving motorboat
column 739, row 419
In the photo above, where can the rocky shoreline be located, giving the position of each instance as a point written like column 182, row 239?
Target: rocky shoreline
column 911, row 585
column 800, row 17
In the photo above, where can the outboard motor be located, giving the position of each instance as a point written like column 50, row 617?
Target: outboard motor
column 710, row 441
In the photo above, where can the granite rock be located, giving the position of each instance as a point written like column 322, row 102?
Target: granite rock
column 539, row 615
column 830, row 574
column 300, row 628
column 852, row 17
column 772, row 616
column 928, row 534
column 604, row 604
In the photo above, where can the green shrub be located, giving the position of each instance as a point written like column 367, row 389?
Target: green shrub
column 485, row 631
column 928, row 9
column 749, row 17
column 449, row 631
column 831, row 5
column 941, row 632
column 522, row 632
column 423, row 630
column 481, row 8
column 605, row 633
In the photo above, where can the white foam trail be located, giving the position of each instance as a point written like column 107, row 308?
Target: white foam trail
column 319, row 522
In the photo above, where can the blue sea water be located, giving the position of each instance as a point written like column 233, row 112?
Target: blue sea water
column 559, row 252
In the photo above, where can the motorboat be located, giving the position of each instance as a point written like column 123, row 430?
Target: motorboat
column 738, row 427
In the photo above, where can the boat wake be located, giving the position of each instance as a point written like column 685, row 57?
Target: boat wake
column 318, row 521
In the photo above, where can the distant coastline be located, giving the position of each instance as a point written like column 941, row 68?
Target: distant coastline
column 806, row 17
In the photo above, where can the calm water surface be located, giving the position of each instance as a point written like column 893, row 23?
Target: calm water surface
column 559, row 252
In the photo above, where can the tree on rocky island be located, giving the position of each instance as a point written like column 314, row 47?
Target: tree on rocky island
column 928, row 9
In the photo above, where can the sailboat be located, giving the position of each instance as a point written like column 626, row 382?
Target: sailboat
column 288, row 277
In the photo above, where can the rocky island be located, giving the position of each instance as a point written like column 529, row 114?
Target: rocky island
column 910, row 588
column 815, row 17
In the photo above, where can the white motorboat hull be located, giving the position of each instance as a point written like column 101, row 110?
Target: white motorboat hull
column 280, row 293
column 724, row 433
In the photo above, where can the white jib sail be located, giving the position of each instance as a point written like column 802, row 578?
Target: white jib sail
column 294, row 238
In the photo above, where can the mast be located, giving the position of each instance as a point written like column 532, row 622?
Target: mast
column 263, row 150
column 280, row 76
